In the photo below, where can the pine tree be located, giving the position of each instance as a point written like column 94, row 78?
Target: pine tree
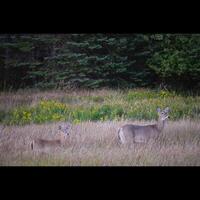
column 21, row 58
column 98, row 60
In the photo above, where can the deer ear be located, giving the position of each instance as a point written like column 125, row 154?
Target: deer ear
column 167, row 109
column 158, row 109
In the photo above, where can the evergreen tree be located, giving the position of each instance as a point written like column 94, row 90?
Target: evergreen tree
column 21, row 58
column 176, row 60
column 99, row 60
column 96, row 60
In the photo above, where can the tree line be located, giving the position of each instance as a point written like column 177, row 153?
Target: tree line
column 99, row 60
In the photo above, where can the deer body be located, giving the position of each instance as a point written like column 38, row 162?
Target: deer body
column 141, row 134
column 44, row 144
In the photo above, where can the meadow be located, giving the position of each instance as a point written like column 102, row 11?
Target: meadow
column 96, row 116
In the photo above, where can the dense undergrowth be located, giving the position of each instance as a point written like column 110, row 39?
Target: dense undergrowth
column 108, row 105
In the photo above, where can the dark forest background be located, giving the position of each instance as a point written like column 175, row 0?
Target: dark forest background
column 48, row 61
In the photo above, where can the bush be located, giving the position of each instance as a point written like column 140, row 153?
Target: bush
column 133, row 104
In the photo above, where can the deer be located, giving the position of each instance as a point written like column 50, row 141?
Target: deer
column 45, row 144
column 131, row 133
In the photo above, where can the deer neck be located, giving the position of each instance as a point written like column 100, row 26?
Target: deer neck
column 160, row 125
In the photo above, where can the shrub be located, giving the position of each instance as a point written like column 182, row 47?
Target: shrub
column 134, row 104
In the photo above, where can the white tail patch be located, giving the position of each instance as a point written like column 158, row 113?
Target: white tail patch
column 121, row 136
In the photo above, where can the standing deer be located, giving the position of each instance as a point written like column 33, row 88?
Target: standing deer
column 142, row 133
column 44, row 144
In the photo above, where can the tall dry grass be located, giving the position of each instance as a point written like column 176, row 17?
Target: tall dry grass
column 9, row 100
column 96, row 144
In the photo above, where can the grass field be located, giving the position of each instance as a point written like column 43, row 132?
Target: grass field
column 96, row 117
column 27, row 107
column 96, row 144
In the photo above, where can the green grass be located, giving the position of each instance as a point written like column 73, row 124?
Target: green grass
column 107, row 105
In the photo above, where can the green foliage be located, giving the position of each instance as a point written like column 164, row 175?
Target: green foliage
column 2, row 115
column 176, row 61
column 78, row 60
column 45, row 111
column 148, row 94
column 133, row 104
column 100, row 60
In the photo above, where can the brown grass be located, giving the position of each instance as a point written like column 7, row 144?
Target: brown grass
column 10, row 100
column 96, row 144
